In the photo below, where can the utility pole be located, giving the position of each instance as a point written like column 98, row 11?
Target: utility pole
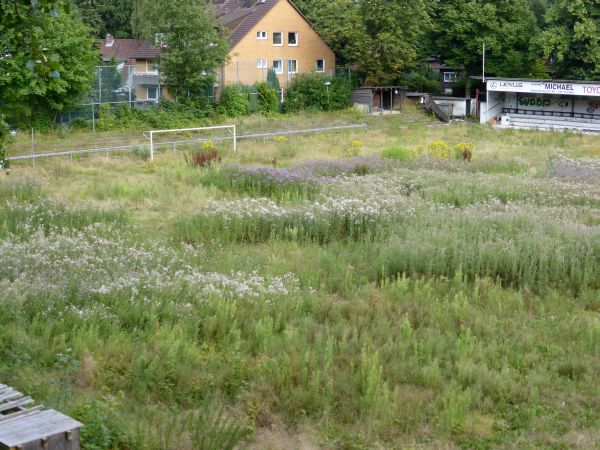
column 483, row 74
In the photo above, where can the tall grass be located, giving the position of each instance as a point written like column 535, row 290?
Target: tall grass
column 415, row 303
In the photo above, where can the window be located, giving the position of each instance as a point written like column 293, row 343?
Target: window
column 450, row 77
column 277, row 38
column 152, row 93
column 320, row 65
column 261, row 64
column 293, row 38
column 151, row 66
column 278, row 66
column 292, row 66
column 261, row 35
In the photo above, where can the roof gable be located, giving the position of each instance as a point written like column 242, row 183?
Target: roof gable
column 124, row 49
column 242, row 15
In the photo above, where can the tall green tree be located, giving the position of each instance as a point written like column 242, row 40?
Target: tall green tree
column 379, row 38
column 194, row 44
column 571, row 40
column 505, row 26
column 52, row 79
column 107, row 16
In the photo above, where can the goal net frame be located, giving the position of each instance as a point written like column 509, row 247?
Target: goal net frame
column 231, row 128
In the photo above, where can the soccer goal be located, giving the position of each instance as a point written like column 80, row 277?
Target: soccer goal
column 189, row 136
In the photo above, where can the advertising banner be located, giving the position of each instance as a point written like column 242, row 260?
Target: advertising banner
column 544, row 87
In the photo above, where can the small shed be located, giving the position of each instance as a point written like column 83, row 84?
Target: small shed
column 379, row 98
column 34, row 428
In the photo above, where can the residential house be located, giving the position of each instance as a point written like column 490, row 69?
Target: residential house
column 448, row 75
column 137, row 61
column 270, row 34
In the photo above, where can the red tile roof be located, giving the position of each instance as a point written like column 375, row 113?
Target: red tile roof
column 124, row 49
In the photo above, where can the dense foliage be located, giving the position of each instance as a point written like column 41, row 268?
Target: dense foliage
column 314, row 92
column 105, row 17
column 194, row 43
column 47, row 64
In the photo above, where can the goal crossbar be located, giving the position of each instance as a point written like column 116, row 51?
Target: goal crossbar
column 150, row 134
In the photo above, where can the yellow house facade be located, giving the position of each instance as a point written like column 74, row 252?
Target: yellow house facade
column 271, row 34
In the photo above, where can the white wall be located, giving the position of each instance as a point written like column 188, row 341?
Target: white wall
column 493, row 107
column 459, row 106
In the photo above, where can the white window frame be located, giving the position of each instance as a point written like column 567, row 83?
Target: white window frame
column 297, row 38
column 288, row 66
column 148, row 93
column 155, row 71
column 280, row 71
column 452, row 77
column 262, row 35
column 262, row 64
column 280, row 34
column 317, row 65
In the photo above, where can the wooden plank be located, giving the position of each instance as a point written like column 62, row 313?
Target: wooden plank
column 9, row 395
column 37, row 426
column 23, row 412
column 16, row 404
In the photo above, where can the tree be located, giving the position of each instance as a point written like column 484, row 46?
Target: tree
column 4, row 135
column 107, row 16
column 194, row 43
column 379, row 38
column 506, row 27
column 62, row 74
column 571, row 40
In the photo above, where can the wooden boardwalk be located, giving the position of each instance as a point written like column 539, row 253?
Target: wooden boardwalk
column 25, row 427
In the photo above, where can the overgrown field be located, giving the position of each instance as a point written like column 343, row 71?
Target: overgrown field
column 365, row 289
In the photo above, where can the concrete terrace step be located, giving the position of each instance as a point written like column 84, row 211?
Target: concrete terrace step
column 523, row 121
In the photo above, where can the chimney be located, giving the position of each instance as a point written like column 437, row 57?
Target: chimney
column 109, row 40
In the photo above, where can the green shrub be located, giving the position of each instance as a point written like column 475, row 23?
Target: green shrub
column 4, row 135
column 102, row 430
column 233, row 102
column 439, row 149
column 272, row 80
column 399, row 153
column 142, row 153
column 80, row 123
column 268, row 102
column 106, row 118
column 309, row 92
column 463, row 151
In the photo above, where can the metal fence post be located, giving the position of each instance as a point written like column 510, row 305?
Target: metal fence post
column 32, row 148
column 93, row 119
column 234, row 141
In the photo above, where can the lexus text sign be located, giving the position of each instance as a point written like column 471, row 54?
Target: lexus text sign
column 544, row 87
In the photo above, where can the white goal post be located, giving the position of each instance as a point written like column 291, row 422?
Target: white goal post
column 230, row 128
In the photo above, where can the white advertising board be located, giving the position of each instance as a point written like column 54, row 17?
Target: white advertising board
column 544, row 87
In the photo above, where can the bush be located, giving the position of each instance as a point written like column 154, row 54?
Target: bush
column 309, row 92
column 463, row 151
column 142, row 153
column 399, row 153
column 439, row 149
column 233, row 102
column 268, row 101
column 272, row 80
column 4, row 135
column 205, row 156
column 106, row 118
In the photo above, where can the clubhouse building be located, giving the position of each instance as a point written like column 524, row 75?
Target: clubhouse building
column 542, row 104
